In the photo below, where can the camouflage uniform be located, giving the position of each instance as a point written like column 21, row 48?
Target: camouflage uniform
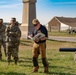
column 2, row 39
column 14, row 34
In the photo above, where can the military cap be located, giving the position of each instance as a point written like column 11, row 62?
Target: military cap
column 14, row 19
column 1, row 20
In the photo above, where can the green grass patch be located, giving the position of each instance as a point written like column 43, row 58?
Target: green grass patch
column 60, row 63
column 61, row 33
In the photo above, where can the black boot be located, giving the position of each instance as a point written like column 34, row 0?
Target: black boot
column 45, row 65
column 0, row 57
column 35, row 64
column 15, row 60
column 5, row 52
column 8, row 62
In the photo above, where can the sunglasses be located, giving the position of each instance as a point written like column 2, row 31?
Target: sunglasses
column 35, row 25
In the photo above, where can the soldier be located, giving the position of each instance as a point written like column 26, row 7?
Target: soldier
column 40, row 35
column 14, row 34
column 2, row 38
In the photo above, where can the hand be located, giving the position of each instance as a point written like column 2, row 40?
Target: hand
column 10, row 32
column 30, row 36
column 43, row 38
column 36, row 39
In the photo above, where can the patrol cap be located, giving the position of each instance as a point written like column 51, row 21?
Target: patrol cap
column 14, row 19
column 35, row 21
column 1, row 20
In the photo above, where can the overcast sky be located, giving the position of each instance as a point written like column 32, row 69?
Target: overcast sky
column 45, row 9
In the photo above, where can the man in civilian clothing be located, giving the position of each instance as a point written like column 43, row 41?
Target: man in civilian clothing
column 39, row 46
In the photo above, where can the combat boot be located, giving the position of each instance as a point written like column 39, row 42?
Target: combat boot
column 15, row 62
column 8, row 62
column 35, row 69
column 5, row 52
column 46, row 70
column 0, row 58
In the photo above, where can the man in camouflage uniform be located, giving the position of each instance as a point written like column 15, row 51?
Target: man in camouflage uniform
column 2, row 38
column 14, row 34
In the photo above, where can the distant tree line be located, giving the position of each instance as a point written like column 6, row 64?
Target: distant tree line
column 7, row 23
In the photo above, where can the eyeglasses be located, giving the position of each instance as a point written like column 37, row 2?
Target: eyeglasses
column 35, row 25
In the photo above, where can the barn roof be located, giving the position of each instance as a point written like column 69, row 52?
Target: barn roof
column 67, row 20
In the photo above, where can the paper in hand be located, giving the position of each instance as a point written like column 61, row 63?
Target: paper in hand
column 39, row 35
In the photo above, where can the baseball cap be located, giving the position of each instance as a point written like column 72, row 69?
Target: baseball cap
column 35, row 21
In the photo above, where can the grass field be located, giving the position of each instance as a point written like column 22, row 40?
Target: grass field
column 60, row 63
column 61, row 33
